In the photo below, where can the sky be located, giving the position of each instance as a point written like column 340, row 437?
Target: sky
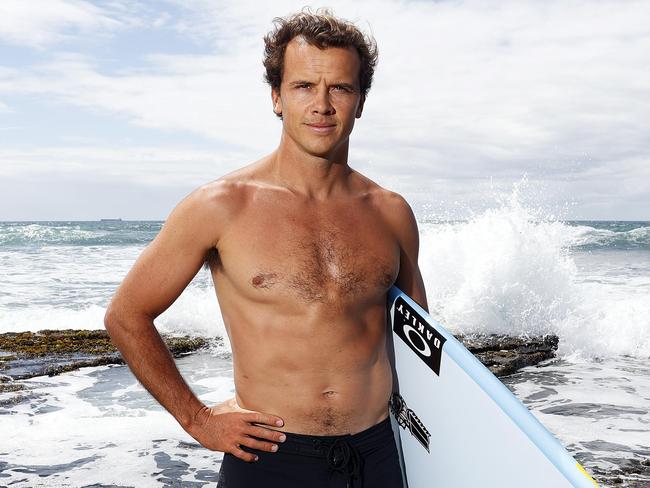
column 118, row 108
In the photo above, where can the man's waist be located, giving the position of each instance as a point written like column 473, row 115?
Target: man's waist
column 346, row 414
column 320, row 446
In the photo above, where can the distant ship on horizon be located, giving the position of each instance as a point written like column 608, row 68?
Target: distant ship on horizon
column 110, row 220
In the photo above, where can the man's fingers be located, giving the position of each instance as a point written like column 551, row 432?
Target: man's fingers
column 259, row 445
column 243, row 455
column 263, row 418
column 263, row 433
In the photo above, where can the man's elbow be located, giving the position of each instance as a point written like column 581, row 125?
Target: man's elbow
column 116, row 317
column 120, row 318
column 111, row 318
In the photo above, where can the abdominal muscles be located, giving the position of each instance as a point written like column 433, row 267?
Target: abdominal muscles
column 344, row 394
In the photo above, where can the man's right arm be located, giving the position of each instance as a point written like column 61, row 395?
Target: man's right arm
column 156, row 280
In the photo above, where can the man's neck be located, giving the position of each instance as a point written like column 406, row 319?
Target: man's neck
column 306, row 174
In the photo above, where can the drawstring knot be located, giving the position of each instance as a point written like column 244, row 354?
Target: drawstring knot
column 342, row 457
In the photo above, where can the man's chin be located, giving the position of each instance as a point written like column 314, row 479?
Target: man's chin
column 325, row 151
column 318, row 151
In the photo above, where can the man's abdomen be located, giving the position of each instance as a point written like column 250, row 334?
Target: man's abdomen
column 328, row 402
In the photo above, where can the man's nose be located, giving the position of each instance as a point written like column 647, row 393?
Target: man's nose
column 322, row 103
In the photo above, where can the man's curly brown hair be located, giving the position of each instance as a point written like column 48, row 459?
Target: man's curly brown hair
column 323, row 30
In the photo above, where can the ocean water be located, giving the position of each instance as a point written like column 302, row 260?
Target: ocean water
column 506, row 270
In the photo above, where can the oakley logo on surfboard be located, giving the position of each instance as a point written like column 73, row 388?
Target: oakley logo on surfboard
column 418, row 334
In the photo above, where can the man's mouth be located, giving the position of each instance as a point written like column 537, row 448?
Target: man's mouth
column 322, row 128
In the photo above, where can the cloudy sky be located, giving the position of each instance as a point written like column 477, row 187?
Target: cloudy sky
column 119, row 108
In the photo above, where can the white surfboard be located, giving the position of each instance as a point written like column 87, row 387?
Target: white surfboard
column 457, row 425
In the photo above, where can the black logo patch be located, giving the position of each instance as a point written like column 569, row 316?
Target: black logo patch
column 418, row 334
column 407, row 419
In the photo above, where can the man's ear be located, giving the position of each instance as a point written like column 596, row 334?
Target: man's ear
column 277, row 101
column 360, row 107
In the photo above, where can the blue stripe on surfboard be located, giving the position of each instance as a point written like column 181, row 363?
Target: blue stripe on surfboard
column 503, row 397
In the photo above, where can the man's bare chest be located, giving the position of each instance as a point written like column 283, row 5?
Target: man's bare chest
column 338, row 256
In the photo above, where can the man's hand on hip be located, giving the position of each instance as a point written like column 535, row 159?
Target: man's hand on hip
column 226, row 427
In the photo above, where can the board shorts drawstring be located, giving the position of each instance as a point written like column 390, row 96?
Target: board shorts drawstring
column 342, row 457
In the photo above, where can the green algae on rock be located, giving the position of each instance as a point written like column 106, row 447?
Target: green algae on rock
column 51, row 352
column 47, row 341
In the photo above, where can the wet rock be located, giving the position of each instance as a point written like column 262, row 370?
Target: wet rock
column 51, row 352
column 631, row 473
column 504, row 355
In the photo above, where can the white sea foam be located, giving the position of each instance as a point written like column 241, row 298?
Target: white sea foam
column 48, row 317
column 509, row 271
column 99, row 426
column 196, row 312
column 597, row 409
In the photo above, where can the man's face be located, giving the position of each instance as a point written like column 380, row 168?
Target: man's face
column 319, row 97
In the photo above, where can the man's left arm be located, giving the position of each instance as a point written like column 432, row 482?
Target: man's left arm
column 409, row 279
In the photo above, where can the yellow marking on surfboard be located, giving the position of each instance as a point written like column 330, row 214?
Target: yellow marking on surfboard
column 587, row 475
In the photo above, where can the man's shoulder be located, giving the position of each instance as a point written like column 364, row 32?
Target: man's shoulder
column 397, row 213
column 393, row 202
column 386, row 201
column 392, row 207
column 225, row 194
column 220, row 192
column 209, row 210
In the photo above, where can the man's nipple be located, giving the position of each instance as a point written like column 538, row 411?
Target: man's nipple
column 263, row 280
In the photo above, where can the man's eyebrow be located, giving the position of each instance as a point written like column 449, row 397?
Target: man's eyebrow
column 345, row 85
column 349, row 86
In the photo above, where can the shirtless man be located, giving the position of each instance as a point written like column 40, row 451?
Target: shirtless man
column 302, row 250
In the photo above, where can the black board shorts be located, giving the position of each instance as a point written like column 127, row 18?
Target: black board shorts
column 368, row 459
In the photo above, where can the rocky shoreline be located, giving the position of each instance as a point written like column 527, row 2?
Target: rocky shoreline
column 505, row 355
column 51, row 352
